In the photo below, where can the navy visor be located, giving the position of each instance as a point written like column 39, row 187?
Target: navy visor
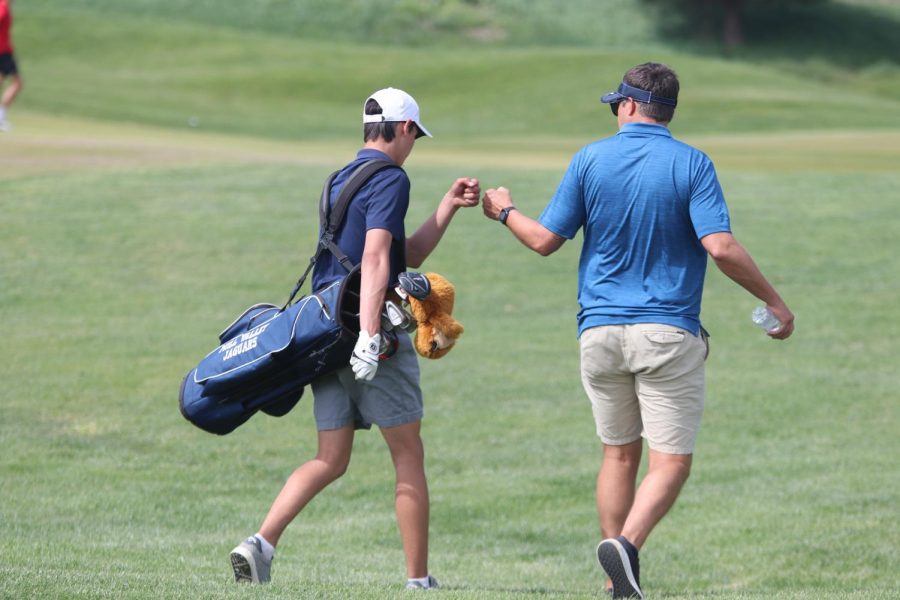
column 637, row 94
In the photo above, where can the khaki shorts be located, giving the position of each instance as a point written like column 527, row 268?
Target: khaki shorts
column 645, row 379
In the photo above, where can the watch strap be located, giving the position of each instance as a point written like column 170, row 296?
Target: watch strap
column 504, row 214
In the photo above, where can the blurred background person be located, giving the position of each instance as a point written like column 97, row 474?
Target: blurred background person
column 8, row 68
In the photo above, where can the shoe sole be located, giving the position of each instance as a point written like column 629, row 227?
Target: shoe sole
column 244, row 567
column 615, row 562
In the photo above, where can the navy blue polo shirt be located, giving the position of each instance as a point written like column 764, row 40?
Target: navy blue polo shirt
column 380, row 204
column 644, row 201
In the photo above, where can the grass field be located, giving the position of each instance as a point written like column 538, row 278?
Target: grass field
column 129, row 239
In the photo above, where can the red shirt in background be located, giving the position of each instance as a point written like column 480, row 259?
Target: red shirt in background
column 6, row 46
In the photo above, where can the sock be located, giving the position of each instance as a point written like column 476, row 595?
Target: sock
column 425, row 582
column 2, row 113
column 268, row 549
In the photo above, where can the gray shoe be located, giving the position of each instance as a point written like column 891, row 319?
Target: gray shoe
column 415, row 585
column 249, row 564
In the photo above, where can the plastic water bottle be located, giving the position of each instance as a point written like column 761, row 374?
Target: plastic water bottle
column 764, row 319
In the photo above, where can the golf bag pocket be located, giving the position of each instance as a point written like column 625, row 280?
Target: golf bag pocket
column 267, row 356
column 262, row 337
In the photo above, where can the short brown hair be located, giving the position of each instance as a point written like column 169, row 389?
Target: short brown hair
column 385, row 130
column 659, row 80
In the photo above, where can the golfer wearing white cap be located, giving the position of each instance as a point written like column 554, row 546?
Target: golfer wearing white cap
column 396, row 107
column 371, row 389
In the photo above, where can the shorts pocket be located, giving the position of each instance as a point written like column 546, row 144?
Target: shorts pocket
column 664, row 337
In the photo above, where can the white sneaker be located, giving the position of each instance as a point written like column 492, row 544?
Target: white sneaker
column 5, row 125
column 249, row 564
column 418, row 585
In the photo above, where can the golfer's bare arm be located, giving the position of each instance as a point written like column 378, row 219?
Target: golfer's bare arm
column 533, row 234
column 527, row 230
column 732, row 259
column 420, row 244
column 375, row 270
column 464, row 192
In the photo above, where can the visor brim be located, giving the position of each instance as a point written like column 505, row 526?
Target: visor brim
column 612, row 98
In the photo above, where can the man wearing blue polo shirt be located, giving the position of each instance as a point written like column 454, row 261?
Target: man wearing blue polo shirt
column 651, row 210
column 371, row 390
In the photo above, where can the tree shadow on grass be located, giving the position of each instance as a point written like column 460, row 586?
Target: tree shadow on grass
column 847, row 36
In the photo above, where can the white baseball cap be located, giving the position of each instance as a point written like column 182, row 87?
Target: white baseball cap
column 396, row 105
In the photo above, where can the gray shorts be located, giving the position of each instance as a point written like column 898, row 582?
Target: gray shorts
column 392, row 398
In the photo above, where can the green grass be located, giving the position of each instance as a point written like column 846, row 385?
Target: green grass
column 175, row 73
column 115, row 283
column 399, row 22
column 130, row 239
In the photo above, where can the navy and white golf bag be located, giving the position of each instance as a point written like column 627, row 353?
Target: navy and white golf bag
column 269, row 354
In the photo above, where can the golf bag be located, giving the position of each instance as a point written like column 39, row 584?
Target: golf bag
column 269, row 354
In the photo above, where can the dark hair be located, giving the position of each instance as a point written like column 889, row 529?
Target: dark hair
column 659, row 80
column 373, row 131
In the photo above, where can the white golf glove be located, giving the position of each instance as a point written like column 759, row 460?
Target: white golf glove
column 365, row 355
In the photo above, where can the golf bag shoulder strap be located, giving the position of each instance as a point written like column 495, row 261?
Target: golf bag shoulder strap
column 324, row 200
column 331, row 217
